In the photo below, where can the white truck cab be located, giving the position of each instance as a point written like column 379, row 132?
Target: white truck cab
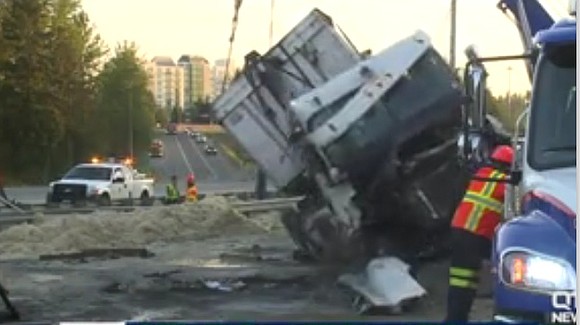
column 101, row 183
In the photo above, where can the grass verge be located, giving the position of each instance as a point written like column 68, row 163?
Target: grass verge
column 232, row 149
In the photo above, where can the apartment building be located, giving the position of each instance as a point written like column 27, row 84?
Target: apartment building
column 197, row 84
column 219, row 73
column 166, row 82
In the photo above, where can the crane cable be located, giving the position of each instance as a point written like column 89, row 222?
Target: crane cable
column 237, row 5
column 271, row 34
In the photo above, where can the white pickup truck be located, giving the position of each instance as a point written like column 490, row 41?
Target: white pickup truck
column 101, row 183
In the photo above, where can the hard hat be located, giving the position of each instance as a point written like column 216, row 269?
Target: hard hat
column 503, row 153
column 190, row 178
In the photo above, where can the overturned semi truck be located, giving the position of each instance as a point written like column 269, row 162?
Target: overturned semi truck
column 369, row 141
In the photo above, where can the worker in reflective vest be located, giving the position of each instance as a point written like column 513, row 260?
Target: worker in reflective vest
column 191, row 194
column 171, row 191
column 473, row 226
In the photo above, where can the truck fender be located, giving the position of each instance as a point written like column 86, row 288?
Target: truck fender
column 102, row 191
column 535, row 232
column 145, row 188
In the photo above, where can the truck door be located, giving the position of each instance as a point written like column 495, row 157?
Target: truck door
column 129, row 189
column 119, row 189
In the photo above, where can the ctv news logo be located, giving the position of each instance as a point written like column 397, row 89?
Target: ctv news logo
column 565, row 305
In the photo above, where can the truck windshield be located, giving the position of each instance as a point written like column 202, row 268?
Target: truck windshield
column 553, row 110
column 89, row 173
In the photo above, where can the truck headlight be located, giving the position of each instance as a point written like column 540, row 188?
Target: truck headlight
column 93, row 191
column 531, row 271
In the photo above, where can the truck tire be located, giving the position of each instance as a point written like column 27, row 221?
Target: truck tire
column 51, row 202
column 104, row 200
column 320, row 237
column 146, row 199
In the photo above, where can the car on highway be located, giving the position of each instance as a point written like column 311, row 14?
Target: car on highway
column 101, row 183
column 171, row 129
column 210, row 150
column 156, row 148
column 200, row 139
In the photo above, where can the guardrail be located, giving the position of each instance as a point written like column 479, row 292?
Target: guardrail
column 267, row 205
column 252, row 206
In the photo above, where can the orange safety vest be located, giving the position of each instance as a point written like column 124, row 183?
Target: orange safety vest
column 481, row 209
column 191, row 195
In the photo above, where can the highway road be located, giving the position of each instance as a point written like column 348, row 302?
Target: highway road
column 183, row 155
column 37, row 194
column 214, row 174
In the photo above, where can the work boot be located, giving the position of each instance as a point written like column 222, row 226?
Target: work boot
column 459, row 302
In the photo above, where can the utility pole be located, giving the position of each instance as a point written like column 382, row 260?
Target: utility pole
column 509, row 93
column 453, row 35
column 131, row 121
column 271, row 22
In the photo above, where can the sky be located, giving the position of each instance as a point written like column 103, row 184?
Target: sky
column 203, row 27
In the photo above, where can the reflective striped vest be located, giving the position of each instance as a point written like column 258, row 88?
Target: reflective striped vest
column 481, row 209
column 191, row 195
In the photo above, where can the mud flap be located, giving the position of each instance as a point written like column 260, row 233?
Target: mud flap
column 385, row 285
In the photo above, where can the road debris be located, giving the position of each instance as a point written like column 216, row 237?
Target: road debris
column 99, row 253
column 224, row 286
column 209, row 218
column 385, row 285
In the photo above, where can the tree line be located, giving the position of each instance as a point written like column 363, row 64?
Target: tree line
column 507, row 108
column 61, row 99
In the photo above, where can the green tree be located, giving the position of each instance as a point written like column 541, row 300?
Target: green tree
column 30, row 122
column 507, row 108
column 161, row 116
column 176, row 115
column 48, row 58
column 125, row 103
column 77, row 53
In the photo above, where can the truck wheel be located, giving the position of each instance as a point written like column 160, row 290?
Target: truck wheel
column 318, row 236
column 50, row 202
column 146, row 199
column 104, row 200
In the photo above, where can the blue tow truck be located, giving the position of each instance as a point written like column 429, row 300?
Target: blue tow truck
column 534, row 250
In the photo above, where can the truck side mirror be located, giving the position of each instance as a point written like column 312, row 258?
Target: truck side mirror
column 118, row 180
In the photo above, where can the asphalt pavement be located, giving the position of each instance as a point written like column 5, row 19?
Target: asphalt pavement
column 214, row 173
column 183, row 155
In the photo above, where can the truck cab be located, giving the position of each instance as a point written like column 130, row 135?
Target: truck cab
column 535, row 250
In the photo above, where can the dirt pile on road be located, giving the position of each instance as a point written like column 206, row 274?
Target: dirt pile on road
column 209, row 218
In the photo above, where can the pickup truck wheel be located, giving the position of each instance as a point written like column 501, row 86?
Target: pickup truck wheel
column 104, row 200
column 50, row 202
column 146, row 199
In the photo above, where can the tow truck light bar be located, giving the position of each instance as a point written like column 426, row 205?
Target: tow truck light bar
column 127, row 161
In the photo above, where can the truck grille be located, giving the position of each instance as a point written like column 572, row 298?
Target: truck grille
column 72, row 192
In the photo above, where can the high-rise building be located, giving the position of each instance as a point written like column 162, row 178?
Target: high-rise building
column 196, row 79
column 219, row 73
column 166, row 82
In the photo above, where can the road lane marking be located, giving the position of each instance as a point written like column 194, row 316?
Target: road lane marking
column 200, row 154
column 180, row 148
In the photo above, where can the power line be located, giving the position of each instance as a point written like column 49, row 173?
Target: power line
column 237, row 5
column 271, row 22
